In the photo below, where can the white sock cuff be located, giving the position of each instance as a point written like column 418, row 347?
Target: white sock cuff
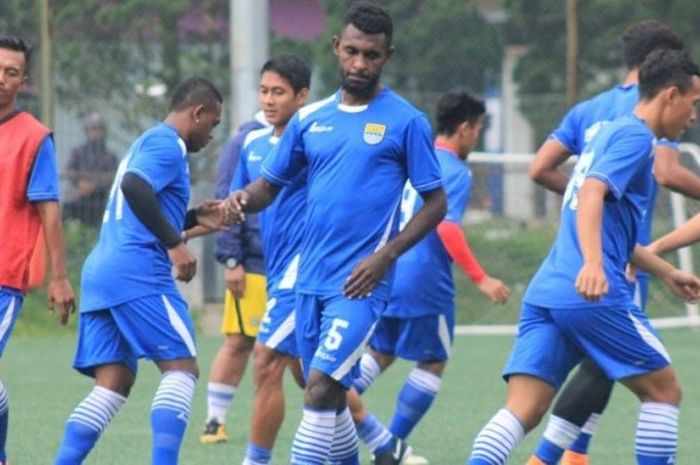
column 369, row 365
column 113, row 397
column 561, row 432
column 322, row 418
column 222, row 388
column 591, row 425
column 507, row 418
column 183, row 378
column 425, row 380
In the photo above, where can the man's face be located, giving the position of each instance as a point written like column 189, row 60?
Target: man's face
column 361, row 58
column 470, row 136
column 12, row 77
column 278, row 99
column 206, row 119
column 680, row 112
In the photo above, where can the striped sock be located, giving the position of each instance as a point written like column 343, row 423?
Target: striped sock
column 345, row 450
column 558, row 436
column 497, row 439
column 369, row 370
column 219, row 398
column 375, row 435
column 657, row 434
column 415, row 398
column 170, row 412
column 86, row 423
column 582, row 442
column 257, row 455
column 4, row 417
column 313, row 439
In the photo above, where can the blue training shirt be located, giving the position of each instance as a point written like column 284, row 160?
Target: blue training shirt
column 281, row 223
column 43, row 182
column 358, row 159
column 424, row 284
column 621, row 156
column 128, row 261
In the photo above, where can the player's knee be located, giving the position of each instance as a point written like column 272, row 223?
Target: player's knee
column 383, row 360
column 269, row 367
column 322, row 391
column 238, row 345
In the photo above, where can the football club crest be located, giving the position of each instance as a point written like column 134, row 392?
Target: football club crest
column 374, row 133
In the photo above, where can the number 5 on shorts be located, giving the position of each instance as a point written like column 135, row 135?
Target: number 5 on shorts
column 334, row 338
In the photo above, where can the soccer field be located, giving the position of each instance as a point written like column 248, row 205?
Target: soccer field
column 43, row 390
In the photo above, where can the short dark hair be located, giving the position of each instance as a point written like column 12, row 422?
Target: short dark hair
column 18, row 45
column 291, row 67
column 194, row 91
column 370, row 19
column 640, row 39
column 456, row 107
column 666, row 68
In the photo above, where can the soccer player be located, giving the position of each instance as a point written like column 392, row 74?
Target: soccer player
column 359, row 146
column 28, row 203
column 583, row 399
column 130, row 307
column 284, row 88
column 239, row 249
column 418, row 324
column 579, row 302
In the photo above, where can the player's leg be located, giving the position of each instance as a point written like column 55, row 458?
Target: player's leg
column 580, row 403
column 103, row 353
column 10, row 305
column 372, row 364
column 240, row 325
column 540, row 359
column 274, row 351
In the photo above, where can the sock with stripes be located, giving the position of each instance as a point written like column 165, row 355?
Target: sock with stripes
column 657, row 434
column 415, row 398
column 313, row 439
column 86, row 423
column 219, row 398
column 4, row 417
column 497, row 440
column 345, row 450
column 375, row 435
column 582, row 442
column 369, row 370
column 558, row 436
column 257, row 455
column 170, row 412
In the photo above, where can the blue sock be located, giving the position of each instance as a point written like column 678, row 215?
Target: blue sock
column 415, row 398
column 86, row 423
column 375, row 435
column 345, row 450
column 657, row 434
column 257, row 455
column 170, row 413
column 497, row 439
column 583, row 441
column 4, row 417
column 558, row 436
column 548, row 452
column 314, row 437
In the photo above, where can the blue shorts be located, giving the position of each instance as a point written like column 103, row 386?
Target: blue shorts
column 156, row 327
column 425, row 338
column 551, row 342
column 333, row 331
column 277, row 327
column 10, row 305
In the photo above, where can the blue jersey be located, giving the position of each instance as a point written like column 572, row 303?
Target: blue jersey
column 43, row 182
column 128, row 261
column 282, row 223
column 358, row 159
column 621, row 156
column 424, row 283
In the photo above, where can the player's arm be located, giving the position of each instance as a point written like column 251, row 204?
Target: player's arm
column 683, row 284
column 591, row 282
column 369, row 271
column 670, row 172
column 686, row 234
column 544, row 169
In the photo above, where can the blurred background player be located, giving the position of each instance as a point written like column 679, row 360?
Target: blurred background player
column 359, row 146
column 239, row 250
column 126, row 313
column 28, row 203
column 586, row 395
column 284, row 88
column 418, row 324
column 90, row 169
column 580, row 303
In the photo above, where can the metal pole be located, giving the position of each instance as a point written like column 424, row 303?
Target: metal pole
column 249, row 50
column 46, row 64
column 572, row 40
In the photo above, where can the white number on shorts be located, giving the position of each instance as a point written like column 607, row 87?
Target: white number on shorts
column 334, row 338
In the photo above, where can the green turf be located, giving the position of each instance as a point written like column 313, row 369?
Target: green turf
column 43, row 390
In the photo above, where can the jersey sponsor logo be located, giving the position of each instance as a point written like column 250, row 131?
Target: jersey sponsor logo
column 254, row 156
column 315, row 127
column 374, row 133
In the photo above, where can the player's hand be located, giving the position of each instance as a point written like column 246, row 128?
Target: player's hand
column 235, row 281
column 591, row 282
column 494, row 289
column 61, row 296
column 366, row 275
column 683, row 284
column 184, row 262
column 235, row 204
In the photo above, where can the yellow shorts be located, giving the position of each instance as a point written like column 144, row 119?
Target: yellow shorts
column 248, row 311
